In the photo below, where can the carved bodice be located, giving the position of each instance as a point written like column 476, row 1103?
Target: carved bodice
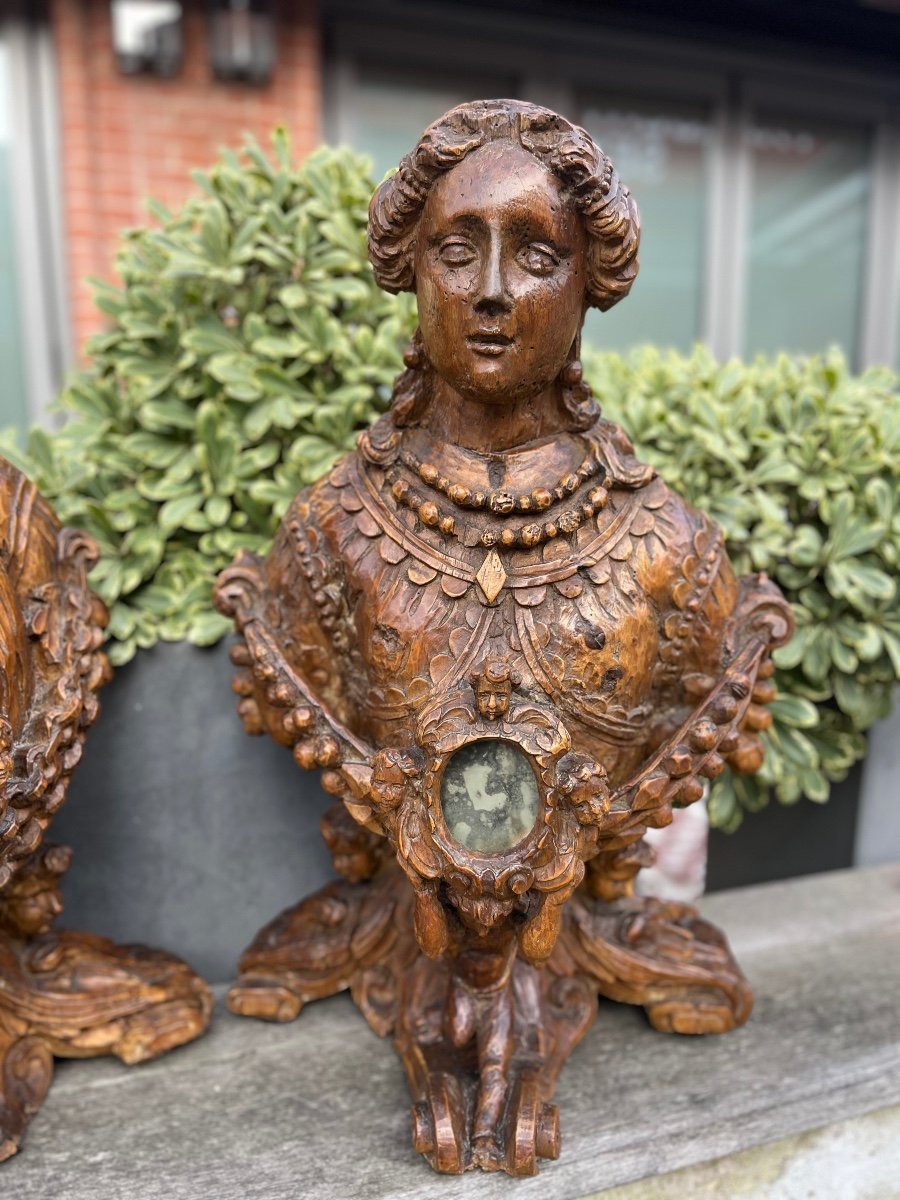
column 380, row 612
column 611, row 643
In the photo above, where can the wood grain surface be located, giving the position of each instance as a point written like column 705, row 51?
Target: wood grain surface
column 62, row 993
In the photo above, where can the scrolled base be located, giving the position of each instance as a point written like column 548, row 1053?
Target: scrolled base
column 482, row 1064
column 76, row 995
column 662, row 956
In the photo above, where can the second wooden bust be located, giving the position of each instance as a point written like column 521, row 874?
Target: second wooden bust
column 62, row 993
column 511, row 649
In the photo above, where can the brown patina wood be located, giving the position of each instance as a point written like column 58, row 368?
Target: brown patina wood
column 68, row 994
column 494, row 565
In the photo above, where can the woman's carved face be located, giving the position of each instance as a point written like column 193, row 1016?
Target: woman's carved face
column 500, row 275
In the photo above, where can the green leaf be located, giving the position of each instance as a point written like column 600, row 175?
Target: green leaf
column 794, row 711
column 722, row 804
column 207, row 627
column 208, row 336
column 814, row 785
column 806, row 547
column 868, row 642
column 873, row 581
column 862, row 705
column 174, row 512
column 217, row 510
column 153, row 450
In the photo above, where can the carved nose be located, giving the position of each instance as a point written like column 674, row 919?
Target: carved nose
column 493, row 296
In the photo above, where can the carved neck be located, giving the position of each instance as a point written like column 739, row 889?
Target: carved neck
column 492, row 429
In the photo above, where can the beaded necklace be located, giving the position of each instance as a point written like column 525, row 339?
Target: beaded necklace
column 502, row 502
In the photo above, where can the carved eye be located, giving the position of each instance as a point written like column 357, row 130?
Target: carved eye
column 538, row 258
column 457, row 252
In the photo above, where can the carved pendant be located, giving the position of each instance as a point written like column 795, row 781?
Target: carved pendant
column 491, row 576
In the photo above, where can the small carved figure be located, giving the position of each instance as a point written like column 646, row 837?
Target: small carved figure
column 511, row 648
column 493, row 687
column 68, row 994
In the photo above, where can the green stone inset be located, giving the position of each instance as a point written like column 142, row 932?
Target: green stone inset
column 489, row 796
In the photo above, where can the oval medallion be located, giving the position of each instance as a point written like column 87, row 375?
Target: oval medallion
column 489, row 796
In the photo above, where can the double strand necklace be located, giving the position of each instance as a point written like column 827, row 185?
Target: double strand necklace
column 502, row 502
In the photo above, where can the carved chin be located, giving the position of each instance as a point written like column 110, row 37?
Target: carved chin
column 494, row 383
column 496, row 380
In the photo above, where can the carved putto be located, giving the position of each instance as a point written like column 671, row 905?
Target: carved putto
column 510, row 648
column 62, row 993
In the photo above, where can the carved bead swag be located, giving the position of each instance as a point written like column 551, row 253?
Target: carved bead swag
column 511, row 649
column 61, row 993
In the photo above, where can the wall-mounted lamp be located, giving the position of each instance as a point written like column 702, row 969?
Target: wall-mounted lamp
column 242, row 40
column 147, row 36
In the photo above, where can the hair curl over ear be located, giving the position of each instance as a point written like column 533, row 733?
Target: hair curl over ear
column 588, row 176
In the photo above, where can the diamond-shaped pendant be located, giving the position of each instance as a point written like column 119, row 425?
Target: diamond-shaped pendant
column 491, row 576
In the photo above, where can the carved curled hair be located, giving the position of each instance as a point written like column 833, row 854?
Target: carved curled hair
column 588, row 176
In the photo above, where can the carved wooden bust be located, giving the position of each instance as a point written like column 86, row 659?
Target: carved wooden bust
column 62, row 993
column 511, row 649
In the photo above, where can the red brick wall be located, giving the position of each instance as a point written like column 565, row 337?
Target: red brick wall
column 125, row 138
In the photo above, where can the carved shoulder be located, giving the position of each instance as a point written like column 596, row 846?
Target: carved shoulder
column 706, row 612
column 298, row 595
column 687, row 573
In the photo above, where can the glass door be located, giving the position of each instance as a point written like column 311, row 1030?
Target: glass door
column 662, row 152
column 391, row 109
column 810, row 198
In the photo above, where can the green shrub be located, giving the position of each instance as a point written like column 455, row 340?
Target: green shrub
column 248, row 342
column 245, row 347
column 799, row 462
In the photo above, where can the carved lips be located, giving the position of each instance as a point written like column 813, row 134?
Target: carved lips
column 489, row 342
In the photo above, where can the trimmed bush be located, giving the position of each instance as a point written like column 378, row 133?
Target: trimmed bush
column 799, row 462
column 248, row 343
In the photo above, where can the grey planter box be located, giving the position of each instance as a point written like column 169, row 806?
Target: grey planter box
column 188, row 834
column 782, row 841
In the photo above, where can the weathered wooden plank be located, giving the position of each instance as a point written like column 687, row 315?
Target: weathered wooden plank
column 317, row 1108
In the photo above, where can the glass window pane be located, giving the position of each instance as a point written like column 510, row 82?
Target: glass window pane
column 661, row 150
column 391, row 110
column 810, row 202
column 13, row 402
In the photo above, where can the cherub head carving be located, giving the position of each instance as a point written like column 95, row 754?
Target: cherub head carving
column 394, row 770
column 585, row 785
column 493, row 686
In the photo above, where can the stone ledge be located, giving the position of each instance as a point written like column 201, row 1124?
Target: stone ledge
column 857, row 1159
column 319, row 1108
